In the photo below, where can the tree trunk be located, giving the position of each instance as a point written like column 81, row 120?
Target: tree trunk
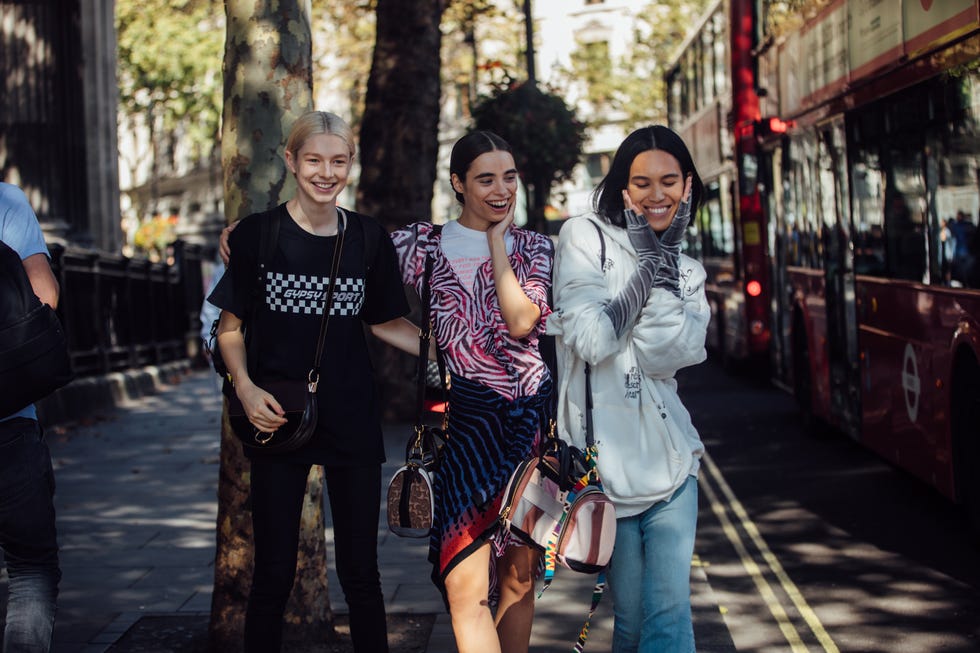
column 267, row 85
column 400, row 130
column 399, row 142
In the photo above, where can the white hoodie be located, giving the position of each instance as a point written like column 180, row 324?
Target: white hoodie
column 647, row 445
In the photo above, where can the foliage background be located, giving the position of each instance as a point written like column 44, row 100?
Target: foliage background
column 545, row 133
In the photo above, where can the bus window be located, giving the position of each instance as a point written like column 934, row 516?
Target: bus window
column 800, row 192
column 827, row 187
column 715, row 225
column 956, row 163
column 869, row 236
column 905, row 242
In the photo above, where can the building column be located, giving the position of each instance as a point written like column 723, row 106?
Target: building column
column 100, row 99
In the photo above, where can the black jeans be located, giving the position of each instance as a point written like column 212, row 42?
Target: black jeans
column 28, row 536
column 278, row 489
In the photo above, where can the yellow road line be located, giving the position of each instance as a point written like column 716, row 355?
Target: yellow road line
column 765, row 591
column 789, row 587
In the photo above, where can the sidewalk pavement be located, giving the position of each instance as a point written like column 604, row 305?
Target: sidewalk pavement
column 136, row 505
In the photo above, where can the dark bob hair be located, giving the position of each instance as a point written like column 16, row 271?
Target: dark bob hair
column 468, row 148
column 607, row 199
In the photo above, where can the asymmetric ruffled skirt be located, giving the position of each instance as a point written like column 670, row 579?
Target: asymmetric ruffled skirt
column 489, row 435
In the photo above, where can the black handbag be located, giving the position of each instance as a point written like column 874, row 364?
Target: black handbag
column 297, row 397
column 299, row 404
column 410, row 497
column 34, row 358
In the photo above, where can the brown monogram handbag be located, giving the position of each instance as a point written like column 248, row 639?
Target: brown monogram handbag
column 410, row 499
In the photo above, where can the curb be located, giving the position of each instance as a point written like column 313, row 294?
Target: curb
column 88, row 395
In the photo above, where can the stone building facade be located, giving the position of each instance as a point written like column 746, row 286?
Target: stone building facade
column 58, row 116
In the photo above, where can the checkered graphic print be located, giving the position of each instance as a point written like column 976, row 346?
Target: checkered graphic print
column 302, row 294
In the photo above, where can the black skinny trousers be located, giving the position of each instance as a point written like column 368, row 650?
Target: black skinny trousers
column 278, row 489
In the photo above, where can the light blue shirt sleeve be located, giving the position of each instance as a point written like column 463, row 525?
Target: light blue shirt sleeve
column 19, row 227
column 210, row 312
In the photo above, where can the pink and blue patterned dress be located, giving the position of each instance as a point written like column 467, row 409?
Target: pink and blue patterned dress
column 499, row 398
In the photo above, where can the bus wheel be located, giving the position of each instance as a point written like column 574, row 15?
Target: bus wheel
column 965, row 427
column 802, row 381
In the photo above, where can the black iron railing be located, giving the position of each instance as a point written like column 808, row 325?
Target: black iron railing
column 121, row 313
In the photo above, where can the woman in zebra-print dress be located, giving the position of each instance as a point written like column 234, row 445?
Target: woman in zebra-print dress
column 489, row 287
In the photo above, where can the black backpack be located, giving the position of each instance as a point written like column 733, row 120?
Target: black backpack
column 34, row 360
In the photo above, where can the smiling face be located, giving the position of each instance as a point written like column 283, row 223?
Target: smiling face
column 321, row 166
column 655, row 186
column 489, row 189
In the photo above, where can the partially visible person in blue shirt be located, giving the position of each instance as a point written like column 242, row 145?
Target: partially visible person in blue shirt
column 210, row 313
column 28, row 536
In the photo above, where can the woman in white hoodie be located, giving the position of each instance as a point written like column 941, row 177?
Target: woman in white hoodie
column 632, row 308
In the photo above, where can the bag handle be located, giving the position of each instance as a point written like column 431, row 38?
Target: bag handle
column 425, row 336
column 417, row 442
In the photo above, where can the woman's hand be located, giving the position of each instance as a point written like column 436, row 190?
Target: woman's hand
column 670, row 244
column 520, row 314
column 224, row 249
column 674, row 235
column 642, row 237
column 261, row 408
column 499, row 230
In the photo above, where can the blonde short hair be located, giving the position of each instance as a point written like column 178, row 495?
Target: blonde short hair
column 319, row 122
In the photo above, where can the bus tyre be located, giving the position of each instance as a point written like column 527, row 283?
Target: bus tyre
column 965, row 427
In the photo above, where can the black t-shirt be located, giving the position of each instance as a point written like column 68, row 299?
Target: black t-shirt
column 286, row 323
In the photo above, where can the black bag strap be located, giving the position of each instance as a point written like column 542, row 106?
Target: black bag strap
column 602, row 245
column 268, row 242
column 314, row 376
column 425, row 335
column 549, row 355
column 589, row 433
column 372, row 242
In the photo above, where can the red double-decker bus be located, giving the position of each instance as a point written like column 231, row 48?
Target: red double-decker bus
column 872, row 195
column 712, row 103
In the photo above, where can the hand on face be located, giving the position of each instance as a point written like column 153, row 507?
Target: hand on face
column 499, row 229
column 489, row 191
column 674, row 234
column 641, row 234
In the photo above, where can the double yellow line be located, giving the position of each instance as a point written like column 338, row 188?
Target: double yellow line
column 733, row 526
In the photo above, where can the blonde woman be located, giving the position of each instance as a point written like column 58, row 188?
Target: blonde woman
column 348, row 441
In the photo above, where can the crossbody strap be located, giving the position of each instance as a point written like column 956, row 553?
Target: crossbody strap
column 589, row 433
column 602, row 245
column 313, row 378
column 268, row 242
column 425, row 335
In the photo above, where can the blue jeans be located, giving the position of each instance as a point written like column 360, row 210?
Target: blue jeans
column 649, row 576
column 27, row 536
